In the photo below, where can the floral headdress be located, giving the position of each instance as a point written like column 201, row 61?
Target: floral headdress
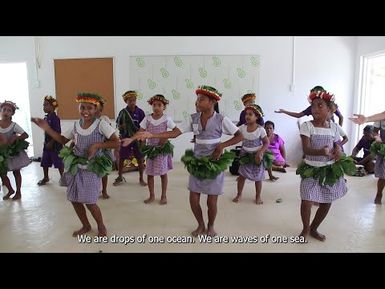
column 10, row 103
column 247, row 97
column 158, row 97
column 89, row 98
column 321, row 94
column 51, row 100
column 209, row 91
column 128, row 94
column 256, row 109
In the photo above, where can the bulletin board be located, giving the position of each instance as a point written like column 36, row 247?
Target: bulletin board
column 178, row 76
column 94, row 75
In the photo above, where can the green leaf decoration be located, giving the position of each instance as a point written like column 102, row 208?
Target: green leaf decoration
column 241, row 72
column 254, row 61
column 249, row 158
column 202, row 72
column 237, row 105
column 164, row 72
column 175, row 94
column 330, row 174
column 178, row 61
column 153, row 151
column 377, row 148
column 151, row 83
column 140, row 62
column 204, row 167
column 216, row 61
column 227, row 83
column 189, row 83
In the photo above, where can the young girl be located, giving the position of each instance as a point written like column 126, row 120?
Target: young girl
column 377, row 148
column 206, row 164
column 107, row 153
column 323, row 168
column 159, row 152
column 16, row 157
column 248, row 99
column 51, row 147
column 252, row 167
column 277, row 147
column 89, row 135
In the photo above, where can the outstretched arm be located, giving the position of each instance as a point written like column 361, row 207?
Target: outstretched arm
column 360, row 119
column 290, row 113
column 45, row 126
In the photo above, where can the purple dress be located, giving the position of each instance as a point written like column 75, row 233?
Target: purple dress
column 379, row 167
column 85, row 186
column 274, row 148
column 250, row 144
column 51, row 157
column 162, row 163
column 205, row 143
column 310, row 188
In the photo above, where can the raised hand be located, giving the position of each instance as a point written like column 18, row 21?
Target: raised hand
column 358, row 119
column 40, row 122
column 279, row 110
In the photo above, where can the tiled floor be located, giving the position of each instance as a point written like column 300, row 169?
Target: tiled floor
column 43, row 221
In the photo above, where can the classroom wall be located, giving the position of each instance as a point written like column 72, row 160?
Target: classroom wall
column 289, row 67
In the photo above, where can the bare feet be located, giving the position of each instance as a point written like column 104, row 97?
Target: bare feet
column 42, row 182
column 304, row 233
column 210, row 231
column 163, row 201
column 318, row 236
column 273, row 178
column 105, row 196
column 7, row 196
column 17, row 196
column 236, row 199
column 198, row 231
column 82, row 231
column 102, row 231
column 378, row 199
column 142, row 183
column 258, row 201
column 149, row 200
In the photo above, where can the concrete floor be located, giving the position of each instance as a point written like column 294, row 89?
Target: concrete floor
column 43, row 221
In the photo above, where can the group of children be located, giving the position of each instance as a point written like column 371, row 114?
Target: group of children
column 89, row 159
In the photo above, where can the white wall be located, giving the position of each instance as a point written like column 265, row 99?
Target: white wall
column 326, row 61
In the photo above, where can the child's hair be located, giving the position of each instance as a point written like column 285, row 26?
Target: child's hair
column 317, row 88
column 256, row 109
column 52, row 101
column 269, row 122
column 247, row 97
column 128, row 94
column 216, row 107
column 9, row 103
column 160, row 98
column 369, row 128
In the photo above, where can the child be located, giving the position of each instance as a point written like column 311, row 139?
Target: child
column 277, row 147
column 307, row 111
column 107, row 153
column 248, row 99
column 128, row 122
column 206, row 176
column 51, row 147
column 322, row 171
column 379, row 168
column 365, row 142
column 159, row 152
column 15, row 155
column 89, row 135
column 254, row 135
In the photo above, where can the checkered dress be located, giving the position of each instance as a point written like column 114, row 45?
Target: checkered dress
column 310, row 188
column 162, row 163
column 85, row 186
column 252, row 172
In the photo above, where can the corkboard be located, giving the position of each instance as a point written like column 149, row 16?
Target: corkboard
column 83, row 75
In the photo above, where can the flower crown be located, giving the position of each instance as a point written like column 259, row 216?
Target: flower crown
column 10, row 103
column 158, row 97
column 209, row 91
column 321, row 94
column 128, row 94
column 256, row 109
column 247, row 97
column 89, row 98
column 51, row 100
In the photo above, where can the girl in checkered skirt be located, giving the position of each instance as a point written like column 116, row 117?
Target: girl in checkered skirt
column 90, row 136
column 319, row 138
